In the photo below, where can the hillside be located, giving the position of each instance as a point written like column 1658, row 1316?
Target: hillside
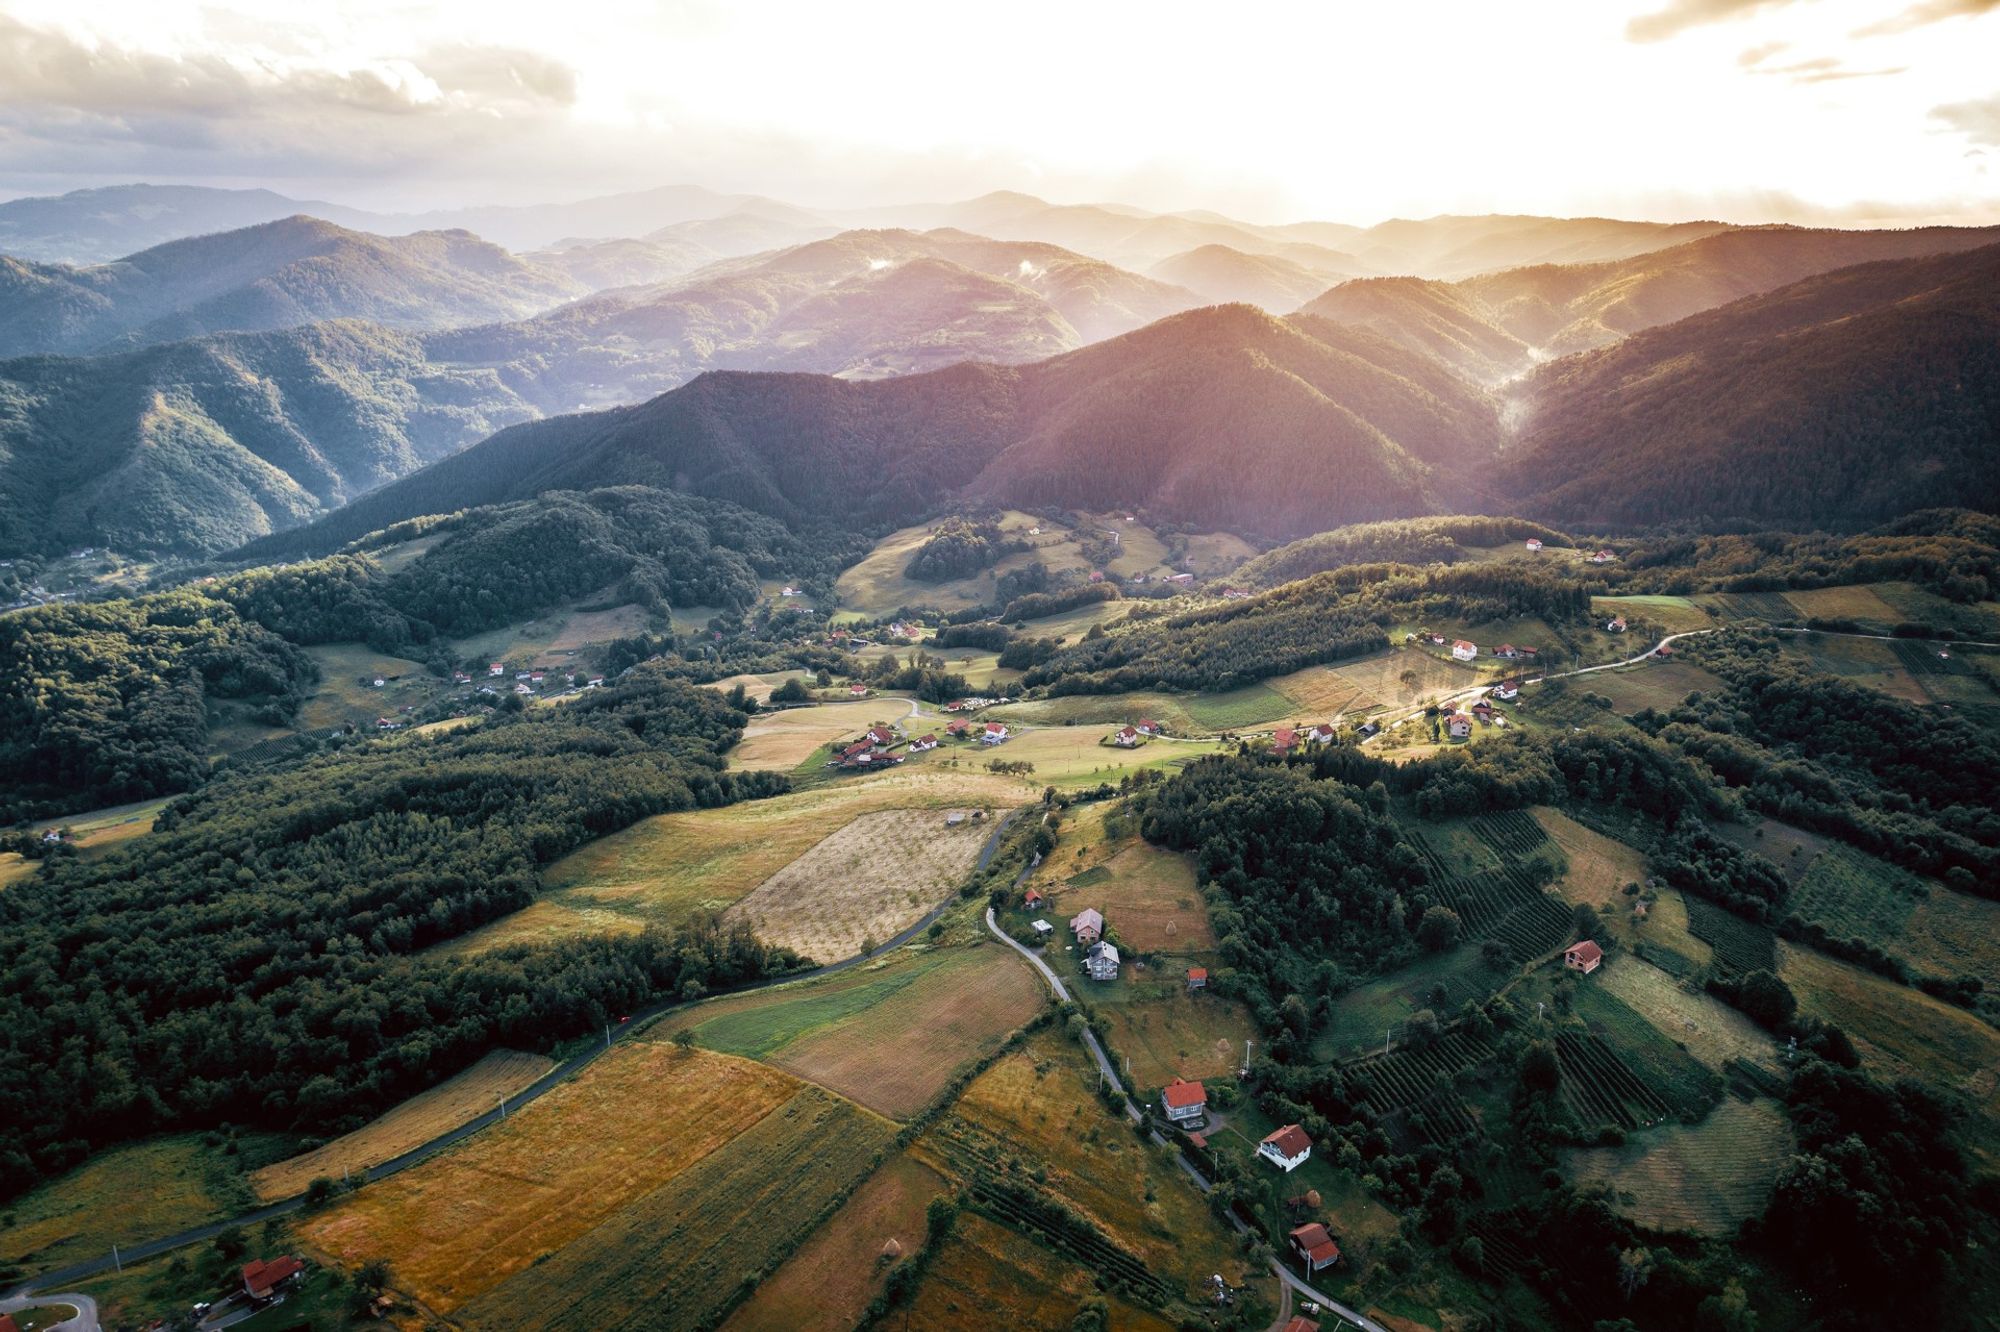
column 276, row 275
column 598, row 265
column 1223, row 275
column 1223, row 417
column 199, row 446
column 1437, row 318
column 1849, row 397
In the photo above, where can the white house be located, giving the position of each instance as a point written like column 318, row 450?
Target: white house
column 1126, row 737
column 1102, row 962
column 497, row 668
column 1288, row 1148
column 1184, row 1102
column 1615, row 625
column 1463, row 651
column 379, row 682
column 1602, row 557
column 994, row 734
column 1458, row 725
column 1507, row 690
column 1535, row 545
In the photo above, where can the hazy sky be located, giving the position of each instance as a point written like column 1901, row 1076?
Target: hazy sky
column 1745, row 109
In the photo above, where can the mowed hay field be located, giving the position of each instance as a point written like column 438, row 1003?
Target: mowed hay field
column 1073, row 756
column 1861, row 603
column 554, row 637
column 890, row 1036
column 1703, row 1179
column 1651, row 684
column 461, row 1224
column 1937, row 931
column 784, row 740
column 1599, row 868
column 462, row 1097
column 675, row 1257
column 826, row 1285
column 1708, row 1029
column 987, row 1276
column 1675, row 615
column 92, row 834
column 862, row 885
column 1402, row 677
column 665, row 869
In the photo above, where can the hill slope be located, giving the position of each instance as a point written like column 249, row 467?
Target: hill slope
column 1849, row 397
column 277, row 275
column 1223, row 275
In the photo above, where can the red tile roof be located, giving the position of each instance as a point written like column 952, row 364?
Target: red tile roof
column 7, row 1323
column 995, row 728
column 260, row 1276
column 1587, row 951
column 1180, row 1095
column 1312, row 1240
column 1198, row 973
column 1290, row 1140
column 1300, row 1323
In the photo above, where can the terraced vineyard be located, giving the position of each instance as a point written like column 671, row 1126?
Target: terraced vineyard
column 1505, row 1255
column 1417, row 1085
column 1506, row 904
column 1740, row 945
column 1514, row 832
column 1600, row 1089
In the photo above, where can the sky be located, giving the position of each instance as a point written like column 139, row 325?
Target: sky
column 1745, row 110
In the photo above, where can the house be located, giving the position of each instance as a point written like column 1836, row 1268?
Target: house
column 1282, row 740
column 956, row 729
column 953, row 818
column 1321, row 734
column 7, row 1323
column 1147, row 726
column 857, row 691
column 1463, row 651
column 880, row 736
column 1180, row 578
column 1507, row 650
column 1615, row 625
column 1287, row 1148
column 1458, row 725
column 1484, row 711
column 789, row 592
column 497, row 668
column 521, row 675
column 263, row 1276
column 1126, row 738
column 594, row 682
column 1042, row 929
column 1314, row 1247
column 536, row 677
column 1197, row 979
column 524, row 688
column 994, row 734
column 1033, row 899
column 1185, row 1102
column 1087, row 925
column 1034, row 531
column 1234, row 594
column 1602, row 557
column 1507, row 690
column 460, row 677
column 1101, row 963
column 1300, row 1323
column 1584, row 956
column 1096, row 575
column 1534, row 545
column 1367, row 729
column 923, row 743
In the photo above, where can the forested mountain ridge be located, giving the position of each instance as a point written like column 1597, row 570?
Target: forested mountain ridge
column 298, row 270
column 1850, row 397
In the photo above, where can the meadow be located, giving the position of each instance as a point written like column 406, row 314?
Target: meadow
column 877, row 586
column 1074, row 756
column 1700, row 1179
column 863, row 884
column 1251, row 706
column 462, row 1097
column 92, row 834
column 1861, row 604
column 1671, row 615
column 988, row 1276
column 1650, row 684
column 345, row 695
column 557, row 637
column 784, row 740
column 1709, row 1030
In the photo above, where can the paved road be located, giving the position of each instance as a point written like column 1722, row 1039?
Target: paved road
column 86, row 1310
column 134, row 1253
column 1090, row 1042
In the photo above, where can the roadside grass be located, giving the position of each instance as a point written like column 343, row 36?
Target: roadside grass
column 1689, row 1087
column 1650, row 684
column 987, row 1276
column 131, row 1193
column 826, row 1285
column 891, row 1040
column 1698, row 1179
column 43, row 1316
column 865, row 883
column 1710, row 1031
column 678, row 1255
column 462, row 1097
column 462, row 1223
column 783, row 740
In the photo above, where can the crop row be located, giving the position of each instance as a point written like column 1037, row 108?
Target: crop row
column 1601, row 1089
column 1504, row 1254
column 1740, row 945
column 1410, row 1076
column 1049, row 1222
column 1512, row 831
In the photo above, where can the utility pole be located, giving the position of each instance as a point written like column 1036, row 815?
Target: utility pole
column 1386, row 1037
column 503, row 1107
column 607, row 1035
column 115, row 1260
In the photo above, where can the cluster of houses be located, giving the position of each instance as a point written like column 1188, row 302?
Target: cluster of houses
column 1287, row 738
column 1595, row 557
column 1100, row 956
column 1509, row 652
column 873, row 750
column 1128, row 737
column 972, row 704
column 1458, row 724
column 987, row 733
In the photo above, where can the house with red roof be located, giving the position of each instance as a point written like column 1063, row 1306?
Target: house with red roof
column 1458, row 725
column 1464, row 651
column 881, row 735
column 7, row 1323
column 262, row 1277
column 1127, row 737
column 956, row 728
column 1300, row 1323
column 1314, row 1247
column 857, row 691
column 1147, row 726
column 923, row 743
column 994, row 734
column 1535, row 545
column 1197, row 978
column 1288, row 1148
column 1615, row 625
column 1507, row 690
column 1484, row 711
column 1602, row 557
column 1584, row 956
column 1282, row 740
column 1185, row 1102
column 1033, row 898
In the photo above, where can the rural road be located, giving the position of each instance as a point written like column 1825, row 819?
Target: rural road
column 133, row 1253
column 1090, row 1042
column 86, row 1310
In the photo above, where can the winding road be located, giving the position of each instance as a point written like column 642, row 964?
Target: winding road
column 1090, row 1042
column 86, row 1310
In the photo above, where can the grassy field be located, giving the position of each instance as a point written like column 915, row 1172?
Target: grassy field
column 1861, row 604
column 345, row 695
column 1364, row 1016
column 1164, row 1032
column 1664, row 1063
column 987, row 1276
column 670, row 867
column 128, row 1194
column 1651, row 684
column 42, row 1317
column 1673, row 615
column 1792, row 850
column 784, row 740
column 890, row 1035
column 463, row 1223
column 1250, row 707
column 1322, row 693
column 1403, row 677
column 92, row 833
column 1147, row 895
column 1702, row 1179
column 1072, row 625
column 1859, row 660
column 863, row 884
column 557, row 637
column 828, row 1281
column 675, row 1257
column 1709, row 1030
column 877, row 585
column 416, row 1121
column 1599, row 868
column 1073, row 756
column 1212, row 553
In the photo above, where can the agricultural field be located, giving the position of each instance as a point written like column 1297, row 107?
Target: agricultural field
column 92, row 834
column 1250, row 707
column 1740, row 945
column 1210, row 554
column 131, row 1193
column 1910, row 602
column 345, row 695
column 1651, row 684
column 1793, row 850
column 460, row 1098
column 759, row 687
column 1949, row 675
column 1073, row 756
column 1709, row 1030
column 556, row 637
column 989, row 1276
column 462, row 1223
column 1071, row 625
column 668, row 868
column 827, row 1283
column 891, row 1035
column 1861, row 661
column 1505, row 902
column 1598, row 868
column 1672, row 615
column 1861, row 604
column 877, row 586
column 1367, row 1015
column 1700, row 1179
column 1402, row 677
column 1322, row 693
column 1765, row 607
column 674, row 1258
column 1148, row 895
column 1683, row 1085
column 863, row 884
column 1902, row 1032
column 1413, row 1083
column 784, row 740
column 1164, row 1032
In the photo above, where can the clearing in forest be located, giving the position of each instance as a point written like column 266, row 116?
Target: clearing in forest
column 1702, row 1179
column 864, row 884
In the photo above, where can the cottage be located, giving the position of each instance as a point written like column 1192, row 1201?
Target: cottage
column 1367, row 729
column 1185, row 1102
column 1534, row 545
column 994, row 734
column 1457, row 725
column 1033, row 899
column 1507, row 650
column 524, row 688
column 1180, row 578
column 1584, row 956
column 521, row 676
column 1615, row 625
column 923, row 743
column 536, row 677
column 1314, row 1247
column 497, row 668
column 1484, row 711
column 880, row 736
column 1101, row 963
column 1234, row 594
column 1096, row 576
column 460, row 677
column 594, row 682
column 1287, row 1148
column 261, row 1277
column 1197, row 979
column 1147, row 726
column 1126, row 738
column 1087, row 925
column 857, row 691
column 956, row 729
column 1507, row 690
column 1463, row 651
column 1602, row 557
column 1321, row 734
column 1282, row 740
column 789, row 592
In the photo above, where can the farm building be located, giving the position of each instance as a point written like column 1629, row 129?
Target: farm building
column 857, row 691
column 994, row 734
column 1087, row 925
column 1197, row 978
column 1458, row 725
column 1602, row 557
column 1042, row 929
column 1464, row 651
column 1147, row 726
column 1584, row 956
column 1184, row 1102
column 1288, row 1148
column 1314, row 1247
column 955, row 729
column 263, row 1276
column 1535, row 544
column 1127, row 737
column 1507, row 650
column 1101, row 963
column 1484, row 711
column 881, row 735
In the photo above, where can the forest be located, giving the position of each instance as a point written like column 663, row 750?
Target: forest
column 256, row 960
column 960, row 547
column 1397, row 541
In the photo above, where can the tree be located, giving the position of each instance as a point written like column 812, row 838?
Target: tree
column 372, row 1276
column 1635, row 1267
column 684, row 1038
column 1540, row 1070
column 320, row 1191
column 232, row 1243
column 939, row 1217
column 1728, row 1311
column 1439, row 929
column 1093, row 1315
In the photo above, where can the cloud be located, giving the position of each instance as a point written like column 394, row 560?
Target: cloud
column 1757, row 55
column 1978, row 120
column 1824, row 69
column 1926, row 12
column 1680, row 15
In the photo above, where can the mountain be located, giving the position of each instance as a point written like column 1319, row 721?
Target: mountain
column 199, row 446
column 275, row 275
column 1437, row 318
column 1225, row 276
column 745, row 231
column 1451, row 247
column 1847, row 398
column 599, row 265
column 1224, row 416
